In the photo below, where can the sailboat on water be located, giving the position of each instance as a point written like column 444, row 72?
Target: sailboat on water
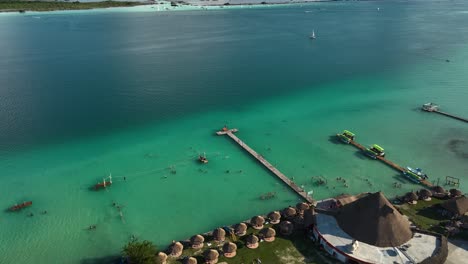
column 313, row 35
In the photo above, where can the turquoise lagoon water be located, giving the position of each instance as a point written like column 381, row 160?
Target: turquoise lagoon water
column 139, row 95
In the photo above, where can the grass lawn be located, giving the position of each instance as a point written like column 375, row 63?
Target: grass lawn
column 288, row 250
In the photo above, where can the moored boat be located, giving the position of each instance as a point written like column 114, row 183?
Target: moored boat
column 346, row 136
column 430, row 107
column 202, row 158
column 20, row 206
column 375, row 151
column 415, row 175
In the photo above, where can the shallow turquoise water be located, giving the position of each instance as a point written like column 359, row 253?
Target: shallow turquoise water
column 134, row 94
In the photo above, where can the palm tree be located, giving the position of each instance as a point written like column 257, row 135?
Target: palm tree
column 137, row 252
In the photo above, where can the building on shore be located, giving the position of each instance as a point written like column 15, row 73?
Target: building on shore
column 369, row 229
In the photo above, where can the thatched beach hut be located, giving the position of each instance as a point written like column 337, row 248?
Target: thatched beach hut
column 190, row 260
column 286, row 228
column 411, row 197
column 455, row 193
column 219, row 235
column 301, row 207
column 161, row 258
column 439, row 192
column 374, row 220
column 251, row 241
column 229, row 249
column 240, row 229
column 197, row 241
column 274, row 217
column 211, row 256
column 457, row 206
column 175, row 250
column 257, row 222
column 268, row 234
column 425, row 194
column 289, row 212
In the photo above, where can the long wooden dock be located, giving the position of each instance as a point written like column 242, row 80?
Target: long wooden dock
column 452, row 116
column 434, row 108
column 388, row 162
column 301, row 192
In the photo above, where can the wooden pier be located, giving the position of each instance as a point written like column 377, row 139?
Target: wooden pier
column 452, row 116
column 389, row 163
column 268, row 165
column 433, row 108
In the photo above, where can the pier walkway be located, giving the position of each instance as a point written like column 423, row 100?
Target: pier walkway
column 267, row 164
column 431, row 107
column 452, row 116
column 388, row 162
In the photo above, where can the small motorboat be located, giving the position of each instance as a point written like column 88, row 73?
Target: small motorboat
column 313, row 35
column 105, row 182
column 415, row 175
column 375, row 151
column 18, row 207
column 202, row 158
column 346, row 136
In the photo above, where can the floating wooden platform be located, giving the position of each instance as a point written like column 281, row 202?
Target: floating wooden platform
column 268, row 165
column 388, row 162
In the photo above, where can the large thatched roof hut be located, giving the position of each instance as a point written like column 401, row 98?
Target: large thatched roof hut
column 229, row 249
column 411, row 197
column 424, row 194
column 257, row 222
column 175, row 250
column 161, row 258
column 268, row 234
column 289, row 212
column 219, row 235
column 240, row 229
column 301, row 207
column 373, row 220
column 190, row 260
column 455, row 192
column 457, row 206
column 211, row 256
column 286, row 228
column 252, row 241
column 438, row 189
column 274, row 217
column 197, row 241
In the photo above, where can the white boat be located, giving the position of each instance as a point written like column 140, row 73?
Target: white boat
column 313, row 35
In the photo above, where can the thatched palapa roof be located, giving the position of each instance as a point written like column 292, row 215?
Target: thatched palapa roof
column 211, row 256
column 302, row 207
column 373, row 220
column 423, row 193
column 274, row 217
column 229, row 247
column 190, row 260
column 197, row 241
column 240, row 229
column 289, row 212
column 438, row 189
column 411, row 196
column 458, row 205
column 455, row 192
column 162, row 257
column 286, row 228
column 268, row 232
column 252, row 241
column 176, row 249
column 257, row 222
column 219, row 234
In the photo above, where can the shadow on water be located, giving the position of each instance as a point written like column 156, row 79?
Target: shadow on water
column 103, row 260
column 334, row 139
column 361, row 155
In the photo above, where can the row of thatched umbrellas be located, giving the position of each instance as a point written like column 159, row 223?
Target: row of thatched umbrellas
column 229, row 249
column 425, row 194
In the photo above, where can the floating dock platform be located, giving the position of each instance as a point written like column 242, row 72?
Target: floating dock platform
column 268, row 165
column 433, row 108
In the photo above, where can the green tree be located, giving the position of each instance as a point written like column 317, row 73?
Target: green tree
column 137, row 252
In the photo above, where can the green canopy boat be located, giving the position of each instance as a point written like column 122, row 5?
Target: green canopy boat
column 346, row 136
column 375, row 151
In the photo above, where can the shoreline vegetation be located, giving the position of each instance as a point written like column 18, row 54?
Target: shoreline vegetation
column 24, row 6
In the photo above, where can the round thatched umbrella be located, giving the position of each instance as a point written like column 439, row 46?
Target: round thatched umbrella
column 289, row 212
column 411, row 197
column 425, row 194
column 438, row 189
column 240, row 229
column 286, row 228
column 190, row 260
column 219, row 235
column 301, row 207
column 268, row 234
column 229, row 249
column 211, row 256
column 161, row 258
column 197, row 241
column 274, row 217
column 176, row 250
column 252, row 241
column 455, row 192
column 257, row 222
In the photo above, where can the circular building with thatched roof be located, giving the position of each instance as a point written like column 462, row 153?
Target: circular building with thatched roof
column 190, row 260
column 197, row 241
column 219, row 235
column 257, row 222
column 175, row 250
column 286, row 228
column 371, row 230
column 211, row 256
column 240, row 229
column 229, row 249
column 456, row 206
column 411, row 197
column 268, row 234
column 425, row 194
column 438, row 189
column 274, row 217
column 455, row 192
column 301, row 207
column 289, row 212
column 161, row 258
column 251, row 241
